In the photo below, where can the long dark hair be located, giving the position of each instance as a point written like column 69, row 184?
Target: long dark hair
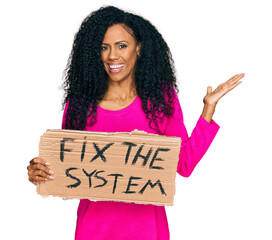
column 86, row 81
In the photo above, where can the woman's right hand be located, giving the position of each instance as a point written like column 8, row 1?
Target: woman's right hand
column 38, row 170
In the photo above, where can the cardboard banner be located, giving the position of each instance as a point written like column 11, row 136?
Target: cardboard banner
column 127, row 167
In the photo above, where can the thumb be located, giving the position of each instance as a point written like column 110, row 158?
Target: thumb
column 209, row 89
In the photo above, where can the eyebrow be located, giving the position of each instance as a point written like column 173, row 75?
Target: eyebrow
column 116, row 42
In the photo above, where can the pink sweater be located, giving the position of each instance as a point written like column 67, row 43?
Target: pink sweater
column 104, row 220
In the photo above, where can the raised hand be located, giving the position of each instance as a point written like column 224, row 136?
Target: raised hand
column 212, row 97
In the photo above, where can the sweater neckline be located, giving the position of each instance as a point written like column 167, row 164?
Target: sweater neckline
column 134, row 103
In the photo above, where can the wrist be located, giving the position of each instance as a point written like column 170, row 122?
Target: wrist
column 208, row 111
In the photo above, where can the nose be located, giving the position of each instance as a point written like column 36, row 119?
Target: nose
column 113, row 54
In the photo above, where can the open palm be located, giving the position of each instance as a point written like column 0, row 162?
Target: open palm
column 213, row 97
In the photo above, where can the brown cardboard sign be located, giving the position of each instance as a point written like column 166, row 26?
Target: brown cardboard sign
column 128, row 167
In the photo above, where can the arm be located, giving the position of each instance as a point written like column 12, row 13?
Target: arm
column 194, row 147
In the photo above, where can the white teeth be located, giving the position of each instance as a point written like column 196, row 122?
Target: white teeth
column 116, row 66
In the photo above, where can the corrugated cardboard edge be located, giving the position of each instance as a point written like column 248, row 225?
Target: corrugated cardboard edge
column 134, row 132
column 42, row 190
column 100, row 199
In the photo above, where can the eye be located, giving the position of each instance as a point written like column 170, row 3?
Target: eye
column 122, row 46
column 104, row 48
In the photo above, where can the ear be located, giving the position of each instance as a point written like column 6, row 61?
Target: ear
column 138, row 48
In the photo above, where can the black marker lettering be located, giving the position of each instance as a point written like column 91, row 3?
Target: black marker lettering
column 73, row 177
column 83, row 150
column 130, row 145
column 98, row 177
column 157, row 159
column 142, row 156
column 131, row 184
column 100, row 152
column 62, row 149
column 152, row 186
column 115, row 180
column 89, row 176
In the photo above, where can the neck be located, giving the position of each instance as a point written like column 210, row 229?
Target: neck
column 120, row 91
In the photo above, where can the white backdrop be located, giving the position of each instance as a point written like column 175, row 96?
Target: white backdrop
column 228, row 196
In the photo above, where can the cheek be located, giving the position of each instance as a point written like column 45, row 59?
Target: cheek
column 103, row 57
column 131, row 58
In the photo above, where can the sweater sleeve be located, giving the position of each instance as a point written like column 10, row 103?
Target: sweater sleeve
column 194, row 147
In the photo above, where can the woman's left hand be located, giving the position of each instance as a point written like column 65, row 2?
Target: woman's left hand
column 212, row 97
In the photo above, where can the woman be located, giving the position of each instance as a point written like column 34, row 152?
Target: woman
column 120, row 77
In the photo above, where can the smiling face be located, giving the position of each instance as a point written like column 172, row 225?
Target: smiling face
column 119, row 53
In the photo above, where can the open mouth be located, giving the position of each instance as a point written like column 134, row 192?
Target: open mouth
column 115, row 68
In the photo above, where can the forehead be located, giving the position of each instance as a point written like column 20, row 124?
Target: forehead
column 117, row 33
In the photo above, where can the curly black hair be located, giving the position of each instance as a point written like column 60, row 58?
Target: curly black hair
column 86, row 80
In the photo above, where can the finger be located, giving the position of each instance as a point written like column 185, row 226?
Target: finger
column 228, row 85
column 39, row 160
column 36, row 179
column 234, row 82
column 41, row 167
column 40, row 170
column 209, row 90
column 236, row 77
column 41, row 173
column 234, row 85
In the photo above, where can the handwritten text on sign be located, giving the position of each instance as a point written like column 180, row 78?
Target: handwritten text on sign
column 127, row 167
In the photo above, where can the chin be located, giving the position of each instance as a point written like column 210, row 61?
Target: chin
column 117, row 78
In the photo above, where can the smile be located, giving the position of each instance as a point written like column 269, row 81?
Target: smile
column 115, row 68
